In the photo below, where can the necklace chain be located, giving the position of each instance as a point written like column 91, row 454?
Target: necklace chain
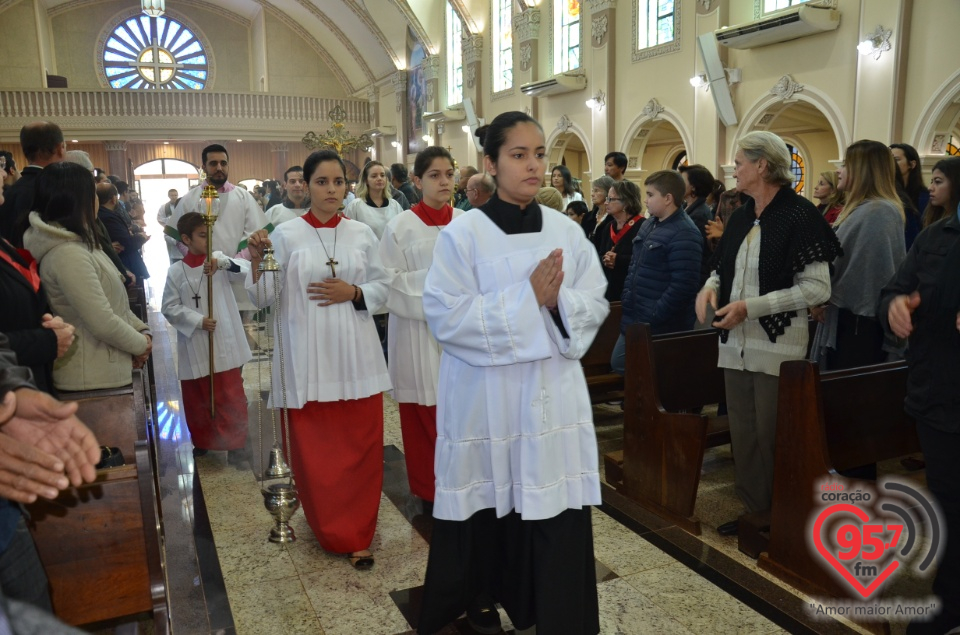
column 196, row 292
column 330, row 259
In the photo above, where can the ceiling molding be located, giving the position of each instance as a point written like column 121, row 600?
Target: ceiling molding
column 468, row 22
column 411, row 17
column 340, row 35
column 364, row 16
column 73, row 5
column 294, row 26
column 6, row 4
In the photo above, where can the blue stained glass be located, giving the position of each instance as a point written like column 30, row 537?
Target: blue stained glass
column 110, row 56
column 193, row 48
column 183, row 38
column 131, row 43
column 120, row 83
column 126, row 47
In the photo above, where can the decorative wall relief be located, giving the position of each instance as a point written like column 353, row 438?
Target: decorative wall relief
column 785, row 88
column 527, row 25
column 599, row 25
column 652, row 109
column 564, row 123
column 526, row 54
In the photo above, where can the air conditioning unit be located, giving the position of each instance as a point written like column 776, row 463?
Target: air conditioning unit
column 447, row 114
column 555, row 85
column 780, row 26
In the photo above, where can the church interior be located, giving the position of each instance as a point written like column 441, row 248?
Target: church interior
column 668, row 83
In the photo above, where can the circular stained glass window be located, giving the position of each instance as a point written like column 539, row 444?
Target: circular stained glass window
column 150, row 53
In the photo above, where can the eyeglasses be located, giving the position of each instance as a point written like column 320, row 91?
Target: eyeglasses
column 611, row 198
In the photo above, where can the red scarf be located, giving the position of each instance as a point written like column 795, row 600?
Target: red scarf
column 194, row 260
column 617, row 235
column 315, row 222
column 29, row 272
column 433, row 217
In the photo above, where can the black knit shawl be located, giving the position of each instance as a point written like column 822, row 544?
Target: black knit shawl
column 793, row 234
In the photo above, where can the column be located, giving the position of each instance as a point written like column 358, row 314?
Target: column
column 117, row 159
column 472, row 89
column 280, row 164
column 433, row 101
column 526, row 30
column 603, row 40
column 880, row 92
column 400, row 93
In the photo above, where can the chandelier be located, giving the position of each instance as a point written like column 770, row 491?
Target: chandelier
column 153, row 8
column 337, row 138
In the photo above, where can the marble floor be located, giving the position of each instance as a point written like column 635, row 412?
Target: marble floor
column 225, row 577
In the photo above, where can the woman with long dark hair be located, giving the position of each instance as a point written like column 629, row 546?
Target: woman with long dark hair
column 514, row 297
column 562, row 180
column 82, row 284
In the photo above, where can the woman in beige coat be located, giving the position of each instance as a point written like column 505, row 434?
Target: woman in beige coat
column 82, row 284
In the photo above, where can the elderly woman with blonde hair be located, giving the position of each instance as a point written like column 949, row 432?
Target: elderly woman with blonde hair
column 770, row 265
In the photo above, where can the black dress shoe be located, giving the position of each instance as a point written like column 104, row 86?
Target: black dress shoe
column 482, row 616
column 729, row 529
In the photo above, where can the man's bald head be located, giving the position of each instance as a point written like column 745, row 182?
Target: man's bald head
column 480, row 188
column 107, row 195
column 42, row 143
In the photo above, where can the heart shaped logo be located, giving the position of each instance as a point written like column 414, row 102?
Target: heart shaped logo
column 855, row 584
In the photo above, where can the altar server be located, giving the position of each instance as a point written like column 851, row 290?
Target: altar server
column 374, row 205
column 185, row 307
column 330, row 284
column 407, row 251
column 515, row 296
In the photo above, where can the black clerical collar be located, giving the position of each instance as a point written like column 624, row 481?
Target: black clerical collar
column 511, row 219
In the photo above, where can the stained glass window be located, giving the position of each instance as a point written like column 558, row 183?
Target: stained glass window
column 953, row 147
column 154, row 53
column 655, row 23
column 502, row 45
column 454, row 57
column 775, row 5
column 680, row 161
column 566, row 38
column 798, row 169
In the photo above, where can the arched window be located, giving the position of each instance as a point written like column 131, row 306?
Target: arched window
column 953, row 147
column 566, row 35
column 680, row 161
column 502, row 45
column 798, row 169
column 154, row 53
column 454, row 57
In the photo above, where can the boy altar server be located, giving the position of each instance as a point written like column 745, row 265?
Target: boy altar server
column 185, row 307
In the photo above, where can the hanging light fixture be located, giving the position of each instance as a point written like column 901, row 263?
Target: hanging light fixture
column 153, row 8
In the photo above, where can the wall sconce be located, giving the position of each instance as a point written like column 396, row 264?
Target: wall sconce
column 597, row 102
column 465, row 129
column 698, row 80
column 733, row 76
column 876, row 43
column 395, row 144
column 428, row 139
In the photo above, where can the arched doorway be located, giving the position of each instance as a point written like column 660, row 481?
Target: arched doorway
column 811, row 139
column 937, row 131
column 569, row 149
column 656, row 140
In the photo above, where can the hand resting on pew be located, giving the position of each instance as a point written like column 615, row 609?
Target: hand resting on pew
column 51, row 426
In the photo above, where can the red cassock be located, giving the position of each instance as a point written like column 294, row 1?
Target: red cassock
column 226, row 431
column 337, row 461
column 418, row 424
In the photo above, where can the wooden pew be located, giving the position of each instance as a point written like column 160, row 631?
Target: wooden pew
column 827, row 422
column 604, row 384
column 669, row 379
column 100, row 542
